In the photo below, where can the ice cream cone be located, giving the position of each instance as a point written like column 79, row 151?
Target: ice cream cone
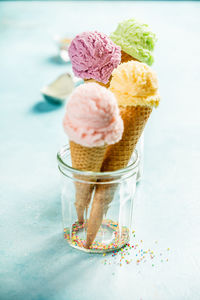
column 85, row 159
column 83, row 192
column 117, row 157
column 135, row 111
column 92, row 121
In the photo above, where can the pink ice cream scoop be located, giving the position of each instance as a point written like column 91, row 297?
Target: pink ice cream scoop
column 94, row 56
column 92, row 118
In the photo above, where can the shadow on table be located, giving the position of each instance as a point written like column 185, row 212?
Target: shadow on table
column 53, row 267
column 45, row 107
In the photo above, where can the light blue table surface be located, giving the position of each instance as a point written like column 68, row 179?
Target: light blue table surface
column 36, row 262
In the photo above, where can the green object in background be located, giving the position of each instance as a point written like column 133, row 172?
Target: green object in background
column 136, row 39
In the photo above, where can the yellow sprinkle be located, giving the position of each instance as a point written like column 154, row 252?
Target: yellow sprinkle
column 104, row 254
column 168, row 249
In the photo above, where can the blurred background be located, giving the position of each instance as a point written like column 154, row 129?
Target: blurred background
column 36, row 262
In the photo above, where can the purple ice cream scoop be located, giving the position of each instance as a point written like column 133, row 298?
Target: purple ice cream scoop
column 94, row 56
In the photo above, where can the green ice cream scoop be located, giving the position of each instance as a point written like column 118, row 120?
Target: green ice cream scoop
column 136, row 39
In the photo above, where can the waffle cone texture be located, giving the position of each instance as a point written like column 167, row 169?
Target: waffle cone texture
column 85, row 159
column 106, row 85
column 117, row 157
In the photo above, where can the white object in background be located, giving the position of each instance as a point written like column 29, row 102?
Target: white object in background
column 140, row 149
column 59, row 89
column 63, row 45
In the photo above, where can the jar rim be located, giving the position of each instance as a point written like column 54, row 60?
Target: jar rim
column 131, row 167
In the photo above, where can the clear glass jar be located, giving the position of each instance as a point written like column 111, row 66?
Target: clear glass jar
column 108, row 216
column 140, row 150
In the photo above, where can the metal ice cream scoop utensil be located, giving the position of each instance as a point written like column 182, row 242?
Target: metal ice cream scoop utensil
column 57, row 91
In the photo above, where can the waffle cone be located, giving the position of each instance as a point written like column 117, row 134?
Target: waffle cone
column 85, row 159
column 126, row 57
column 117, row 157
column 106, row 85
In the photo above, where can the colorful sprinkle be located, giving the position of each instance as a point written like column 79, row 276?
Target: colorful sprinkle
column 122, row 252
column 121, row 236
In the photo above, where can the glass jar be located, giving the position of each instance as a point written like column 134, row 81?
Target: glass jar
column 140, row 150
column 108, row 213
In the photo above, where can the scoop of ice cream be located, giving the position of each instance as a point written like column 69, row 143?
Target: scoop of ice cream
column 134, row 83
column 136, row 39
column 92, row 117
column 94, row 56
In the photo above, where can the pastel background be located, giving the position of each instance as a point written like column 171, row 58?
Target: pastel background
column 36, row 262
